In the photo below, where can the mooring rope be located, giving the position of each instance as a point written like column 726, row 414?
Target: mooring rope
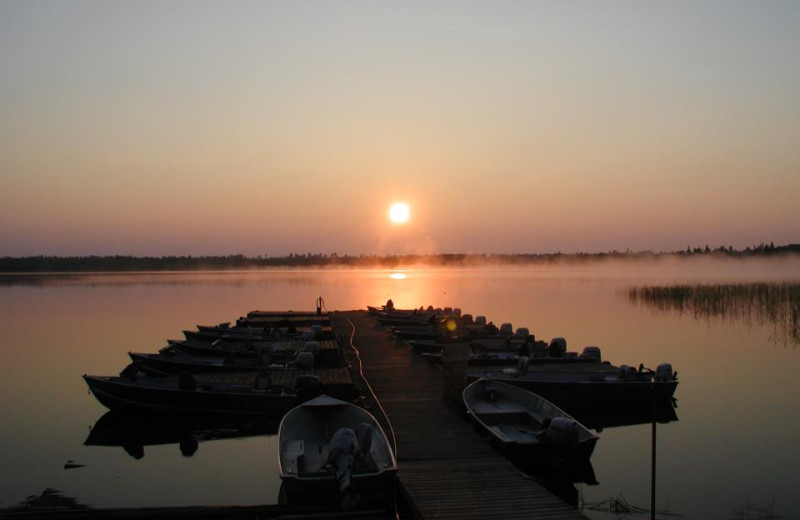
column 377, row 401
column 369, row 386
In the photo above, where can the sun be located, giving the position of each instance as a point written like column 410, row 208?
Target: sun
column 399, row 212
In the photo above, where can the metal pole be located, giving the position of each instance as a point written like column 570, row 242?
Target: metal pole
column 653, row 456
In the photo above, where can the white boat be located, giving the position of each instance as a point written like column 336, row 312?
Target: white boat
column 524, row 425
column 330, row 450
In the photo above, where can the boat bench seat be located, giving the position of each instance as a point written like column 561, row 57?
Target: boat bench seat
column 294, row 455
column 497, row 408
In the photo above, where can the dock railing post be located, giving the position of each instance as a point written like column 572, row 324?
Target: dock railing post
column 454, row 371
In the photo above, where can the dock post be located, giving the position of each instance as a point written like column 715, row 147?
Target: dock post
column 454, row 371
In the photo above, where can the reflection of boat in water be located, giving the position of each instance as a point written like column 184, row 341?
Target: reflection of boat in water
column 599, row 417
column 134, row 432
column 330, row 450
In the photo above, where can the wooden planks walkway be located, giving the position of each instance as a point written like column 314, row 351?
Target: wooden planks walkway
column 445, row 469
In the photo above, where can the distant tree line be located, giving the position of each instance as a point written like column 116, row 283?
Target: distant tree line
column 40, row 264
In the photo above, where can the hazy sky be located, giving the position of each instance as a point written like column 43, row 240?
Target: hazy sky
column 274, row 127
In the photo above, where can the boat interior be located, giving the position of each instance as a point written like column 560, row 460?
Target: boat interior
column 315, row 438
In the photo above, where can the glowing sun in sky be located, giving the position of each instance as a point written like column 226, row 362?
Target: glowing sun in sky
column 399, row 212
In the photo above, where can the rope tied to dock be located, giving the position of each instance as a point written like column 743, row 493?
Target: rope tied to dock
column 369, row 386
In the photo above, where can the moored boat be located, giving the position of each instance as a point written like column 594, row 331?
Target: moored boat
column 251, row 394
column 326, row 352
column 607, row 386
column 526, row 427
column 175, row 361
column 330, row 450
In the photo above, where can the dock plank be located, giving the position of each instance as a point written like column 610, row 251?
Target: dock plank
column 446, row 470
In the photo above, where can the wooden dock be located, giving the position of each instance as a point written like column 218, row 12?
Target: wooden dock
column 445, row 469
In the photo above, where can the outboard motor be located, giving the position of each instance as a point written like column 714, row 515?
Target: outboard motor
column 307, row 335
column 364, row 434
column 558, row 346
column 311, row 346
column 343, row 450
column 563, row 432
column 522, row 332
column 316, row 329
column 480, row 320
column 664, row 373
column 304, row 360
column 592, row 353
column 307, row 387
column 506, row 329
column 628, row 373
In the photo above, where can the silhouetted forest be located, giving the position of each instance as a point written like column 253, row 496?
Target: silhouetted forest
column 40, row 264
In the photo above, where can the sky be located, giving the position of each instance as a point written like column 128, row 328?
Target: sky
column 268, row 127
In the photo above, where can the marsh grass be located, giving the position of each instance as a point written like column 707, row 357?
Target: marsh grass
column 748, row 511
column 760, row 303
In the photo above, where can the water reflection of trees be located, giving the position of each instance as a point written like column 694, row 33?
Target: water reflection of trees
column 761, row 303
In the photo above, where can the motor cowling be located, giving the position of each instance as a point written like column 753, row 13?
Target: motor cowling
column 312, row 346
column 563, row 431
column 304, row 360
column 592, row 353
column 664, row 372
column 342, row 452
column 558, row 346
column 628, row 373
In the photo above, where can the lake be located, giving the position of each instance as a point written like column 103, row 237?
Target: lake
column 732, row 453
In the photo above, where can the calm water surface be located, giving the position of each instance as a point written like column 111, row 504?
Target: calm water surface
column 733, row 449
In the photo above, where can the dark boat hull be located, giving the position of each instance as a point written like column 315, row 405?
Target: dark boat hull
column 584, row 393
column 372, row 490
column 119, row 395
column 498, row 359
column 329, row 355
column 158, row 365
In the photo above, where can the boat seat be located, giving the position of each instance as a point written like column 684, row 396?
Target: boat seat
column 295, row 451
column 499, row 432
column 504, row 408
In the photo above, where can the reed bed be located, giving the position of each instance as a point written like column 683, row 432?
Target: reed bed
column 761, row 303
